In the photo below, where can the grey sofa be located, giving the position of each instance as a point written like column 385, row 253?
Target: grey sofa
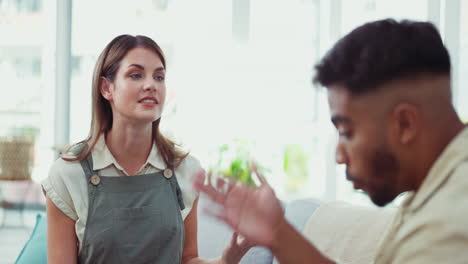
column 214, row 236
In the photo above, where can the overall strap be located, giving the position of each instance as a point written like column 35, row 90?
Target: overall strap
column 175, row 186
column 178, row 191
column 87, row 165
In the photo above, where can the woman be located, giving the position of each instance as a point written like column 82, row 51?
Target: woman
column 120, row 195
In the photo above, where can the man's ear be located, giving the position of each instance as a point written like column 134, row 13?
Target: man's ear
column 105, row 88
column 407, row 123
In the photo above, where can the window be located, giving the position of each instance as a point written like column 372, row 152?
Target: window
column 355, row 13
column 462, row 91
column 225, row 82
column 247, row 76
column 21, row 6
column 27, row 89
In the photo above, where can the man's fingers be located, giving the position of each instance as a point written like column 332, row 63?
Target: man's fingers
column 210, row 177
column 260, row 177
column 212, row 193
column 218, row 214
column 231, row 185
column 199, row 179
column 220, row 184
column 245, row 244
column 216, row 196
column 234, row 238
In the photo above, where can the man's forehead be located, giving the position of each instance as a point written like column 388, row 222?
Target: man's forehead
column 345, row 105
column 339, row 98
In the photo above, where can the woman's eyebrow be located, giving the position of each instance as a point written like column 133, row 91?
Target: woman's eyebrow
column 159, row 69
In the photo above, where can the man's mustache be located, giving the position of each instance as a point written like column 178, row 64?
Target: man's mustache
column 351, row 177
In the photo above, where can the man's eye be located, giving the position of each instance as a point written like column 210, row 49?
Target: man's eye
column 345, row 134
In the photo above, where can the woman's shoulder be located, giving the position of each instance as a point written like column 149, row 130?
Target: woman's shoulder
column 65, row 185
column 189, row 164
column 61, row 168
column 185, row 173
column 68, row 159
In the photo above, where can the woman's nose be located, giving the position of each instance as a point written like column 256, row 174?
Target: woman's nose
column 150, row 85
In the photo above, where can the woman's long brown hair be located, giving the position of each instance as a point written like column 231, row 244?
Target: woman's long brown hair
column 101, row 122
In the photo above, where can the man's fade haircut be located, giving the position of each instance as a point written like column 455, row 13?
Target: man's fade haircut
column 381, row 51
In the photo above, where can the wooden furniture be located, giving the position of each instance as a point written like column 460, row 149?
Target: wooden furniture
column 16, row 163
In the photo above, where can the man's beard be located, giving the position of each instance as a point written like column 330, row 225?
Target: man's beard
column 381, row 186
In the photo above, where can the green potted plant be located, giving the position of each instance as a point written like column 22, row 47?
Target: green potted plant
column 295, row 166
column 234, row 162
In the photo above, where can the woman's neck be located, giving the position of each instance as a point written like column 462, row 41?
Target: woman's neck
column 130, row 145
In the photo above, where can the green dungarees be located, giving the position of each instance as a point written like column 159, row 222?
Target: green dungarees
column 132, row 219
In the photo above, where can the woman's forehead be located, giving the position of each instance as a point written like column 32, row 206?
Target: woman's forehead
column 144, row 57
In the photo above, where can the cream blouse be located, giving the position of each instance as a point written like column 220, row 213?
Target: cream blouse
column 67, row 188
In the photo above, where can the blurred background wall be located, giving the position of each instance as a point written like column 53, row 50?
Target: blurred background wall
column 238, row 71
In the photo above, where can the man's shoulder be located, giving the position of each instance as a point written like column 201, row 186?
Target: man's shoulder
column 460, row 173
column 449, row 205
column 455, row 189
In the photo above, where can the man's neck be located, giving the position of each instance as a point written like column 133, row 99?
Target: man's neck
column 442, row 136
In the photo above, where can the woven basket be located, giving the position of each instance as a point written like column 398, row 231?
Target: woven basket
column 16, row 159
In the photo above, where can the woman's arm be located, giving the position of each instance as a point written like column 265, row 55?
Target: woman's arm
column 62, row 244
column 190, row 252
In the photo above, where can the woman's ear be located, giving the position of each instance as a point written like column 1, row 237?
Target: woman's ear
column 105, row 88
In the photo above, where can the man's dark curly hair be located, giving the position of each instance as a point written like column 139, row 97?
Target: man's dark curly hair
column 382, row 51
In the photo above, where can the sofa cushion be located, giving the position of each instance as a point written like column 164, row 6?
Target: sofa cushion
column 348, row 233
column 297, row 212
column 35, row 250
column 214, row 236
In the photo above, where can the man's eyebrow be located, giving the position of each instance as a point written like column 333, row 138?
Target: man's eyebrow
column 337, row 119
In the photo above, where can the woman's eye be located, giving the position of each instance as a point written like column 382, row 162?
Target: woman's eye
column 159, row 78
column 135, row 76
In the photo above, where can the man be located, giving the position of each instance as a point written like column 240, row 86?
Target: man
column 389, row 94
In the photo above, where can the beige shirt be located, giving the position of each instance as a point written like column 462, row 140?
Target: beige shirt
column 431, row 225
column 67, row 188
